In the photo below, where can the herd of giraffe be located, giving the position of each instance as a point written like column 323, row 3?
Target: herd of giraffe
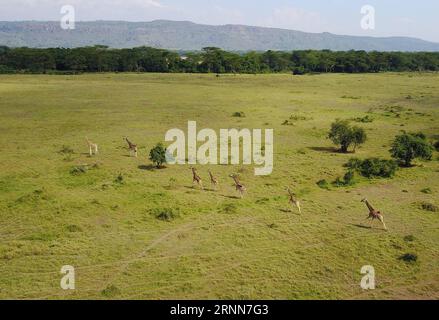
column 240, row 188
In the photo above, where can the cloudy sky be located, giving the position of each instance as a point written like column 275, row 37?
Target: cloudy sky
column 393, row 17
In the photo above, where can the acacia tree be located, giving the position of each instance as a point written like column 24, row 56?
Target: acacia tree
column 343, row 134
column 158, row 155
column 359, row 136
column 407, row 147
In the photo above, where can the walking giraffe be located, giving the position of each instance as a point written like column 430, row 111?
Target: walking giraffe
column 196, row 178
column 293, row 200
column 93, row 147
column 132, row 147
column 213, row 180
column 373, row 214
column 239, row 186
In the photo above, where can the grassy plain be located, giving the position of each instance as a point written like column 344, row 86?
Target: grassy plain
column 219, row 247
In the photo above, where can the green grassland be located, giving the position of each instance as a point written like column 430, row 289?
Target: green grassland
column 218, row 246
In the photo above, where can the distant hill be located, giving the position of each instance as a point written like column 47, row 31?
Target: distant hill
column 185, row 35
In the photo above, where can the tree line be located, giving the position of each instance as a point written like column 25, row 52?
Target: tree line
column 209, row 60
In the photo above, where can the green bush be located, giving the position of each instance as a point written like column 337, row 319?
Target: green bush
column 436, row 145
column 119, row 179
column 239, row 114
column 429, row 207
column 298, row 71
column 373, row 167
column 409, row 257
column 76, row 171
column 6, row 70
column 165, row 214
column 323, row 184
column 354, row 164
column 365, row 119
column 347, row 180
column 158, row 155
column 409, row 146
column 73, row 228
column 427, row 191
column 111, row 291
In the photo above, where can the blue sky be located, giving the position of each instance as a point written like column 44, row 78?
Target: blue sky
column 393, row 17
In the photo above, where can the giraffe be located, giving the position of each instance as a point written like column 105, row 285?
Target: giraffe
column 239, row 186
column 373, row 214
column 293, row 200
column 196, row 178
column 93, row 147
column 132, row 147
column 213, row 180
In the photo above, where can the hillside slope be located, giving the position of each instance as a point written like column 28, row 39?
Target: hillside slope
column 190, row 36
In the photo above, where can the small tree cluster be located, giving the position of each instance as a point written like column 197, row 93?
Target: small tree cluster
column 373, row 167
column 158, row 155
column 409, row 146
column 345, row 135
column 347, row 180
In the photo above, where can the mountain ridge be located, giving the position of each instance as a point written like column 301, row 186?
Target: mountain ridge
column 187, row 35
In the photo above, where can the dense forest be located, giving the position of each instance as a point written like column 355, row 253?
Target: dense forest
column 145, row 59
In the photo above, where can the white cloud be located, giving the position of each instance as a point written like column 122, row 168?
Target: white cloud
column 133, row 10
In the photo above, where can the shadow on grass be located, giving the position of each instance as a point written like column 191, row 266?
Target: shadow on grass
column 231, row 197
column 195, row 188
column 325, row 149
column 361, row 226
column 296, row 213
column 198, row 188
column 150, row 167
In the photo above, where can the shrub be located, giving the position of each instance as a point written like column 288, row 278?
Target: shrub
column 76, row 171
column 343, row 134
column 73, row 228
column 373, row 167
column 366, row 119
column 298, row 71
column 6, row 70
column 347, row 180
column 354, row 163
column 323, row 184
column 429, row 207
column 158, row 155
column 239, row 114
column 295, row 117
column 164, row 214
column 110, row 291
column 119, row 179
column 436, row 145
column 409, row 257
column 427, row 191
column 407, row 147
